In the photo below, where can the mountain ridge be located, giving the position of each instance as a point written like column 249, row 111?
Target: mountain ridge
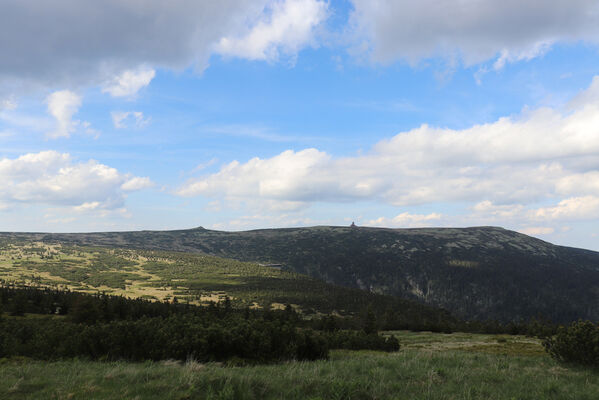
column 475, row 272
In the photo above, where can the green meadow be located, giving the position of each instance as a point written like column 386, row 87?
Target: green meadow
column 428, row 366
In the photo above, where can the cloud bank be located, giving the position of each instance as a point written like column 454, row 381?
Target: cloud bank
column 473, row 31
column 118, row 44
column 503, row 169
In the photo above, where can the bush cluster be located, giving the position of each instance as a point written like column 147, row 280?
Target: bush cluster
column 176, row 337
column 107, row 327
column 577, row 343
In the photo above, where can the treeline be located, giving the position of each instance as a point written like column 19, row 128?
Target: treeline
column 155, row 338
column 371, row 321
column 74, row 324
column 373, row 317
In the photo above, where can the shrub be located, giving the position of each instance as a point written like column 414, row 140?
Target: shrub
column 576, row 343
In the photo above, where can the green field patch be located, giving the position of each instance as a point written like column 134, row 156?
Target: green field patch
column 513, row 345
column 509, row 349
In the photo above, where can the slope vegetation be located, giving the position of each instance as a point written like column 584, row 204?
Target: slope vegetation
column 196, row 279
column 482, row 272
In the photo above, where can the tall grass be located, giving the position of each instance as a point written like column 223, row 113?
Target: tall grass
column 409, row 374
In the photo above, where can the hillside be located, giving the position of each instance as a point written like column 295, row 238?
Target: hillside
column 482, row 272
column 197, row 279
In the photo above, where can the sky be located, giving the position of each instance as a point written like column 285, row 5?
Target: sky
column 244, row 114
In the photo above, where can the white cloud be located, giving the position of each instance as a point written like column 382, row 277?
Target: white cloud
column 129, row 82
column 137, row 183
column 88, row 206
column 503, row 169
column 98, row 209
column 407, row 220
column 62, row 105
column 507, row 56
column 55, row 179
column 124, row 119
column 273, row 178
column 474, row 31
column 587, row 182
column 583, row 207
column 288, row 27
column 569, row 209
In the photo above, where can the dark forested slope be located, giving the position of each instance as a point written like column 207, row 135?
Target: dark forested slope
column 482, row 272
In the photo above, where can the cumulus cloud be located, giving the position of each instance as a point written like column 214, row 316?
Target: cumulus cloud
column 125, row 119
column 582, row 207
column 129, row 82
column 475, row 31
column 62, row 105
column 501, row 168
column 287, row 28
column 98, row 209
column 92, row 42
column 274, row 178
column 55, row 179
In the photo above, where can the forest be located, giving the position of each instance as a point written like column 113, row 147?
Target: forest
column 51, row 324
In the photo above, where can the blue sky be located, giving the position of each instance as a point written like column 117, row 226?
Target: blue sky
column 247, row 114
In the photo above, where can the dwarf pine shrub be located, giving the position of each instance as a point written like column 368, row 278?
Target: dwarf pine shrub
column 577, row 343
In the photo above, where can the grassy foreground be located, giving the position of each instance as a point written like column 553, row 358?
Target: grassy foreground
column 429, row 366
